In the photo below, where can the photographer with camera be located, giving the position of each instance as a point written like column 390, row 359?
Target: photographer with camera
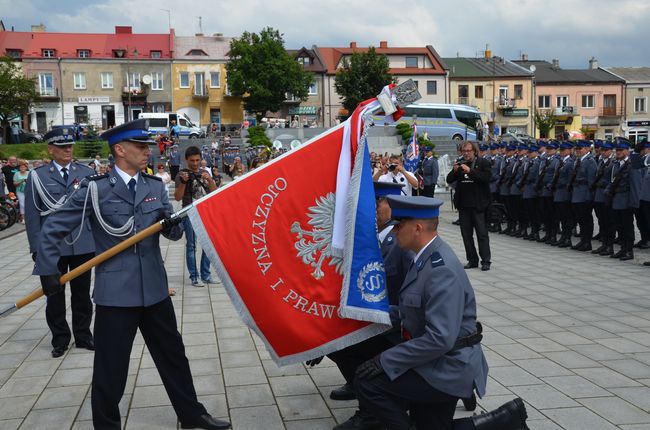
column 471, row 174
column 193, row 183
column 398, row 175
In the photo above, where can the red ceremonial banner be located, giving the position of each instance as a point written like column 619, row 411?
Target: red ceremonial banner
column 269, row 234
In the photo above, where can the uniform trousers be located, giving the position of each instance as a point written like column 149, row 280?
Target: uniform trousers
column 643, row 219
column 389, row 402
column 471, row 220
column 517, row 204
column 348, row 359
column 531, row 211
column 115, row 329
column 81, row 305
column 585, row 219
column 624, row 218
column 606, row 224
column 549, row 215
column 173, row 171
column 565, row 216
column 428, row 191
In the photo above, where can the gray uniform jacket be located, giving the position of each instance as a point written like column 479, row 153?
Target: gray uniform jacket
column 495, row 161
column 396, row 262
column 553, row 164
column 531, row 173
column 518, row 174
column 562, row 192
column 430, row 171
column 505, row 174
column 174, row 158
column 645, row 185
column 56, row 187
column 585, row 177
column 627, row 192
column 606, row 167
column 134, row 277
column 437, row 306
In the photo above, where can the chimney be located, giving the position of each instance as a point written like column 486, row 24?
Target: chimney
column 198, row 34
column 123, row 29
column 487, row 53
column 593, row 63
column 353, row 45
column 40, row 28
column 383, row 44
column 524, row 57
column 556, row 63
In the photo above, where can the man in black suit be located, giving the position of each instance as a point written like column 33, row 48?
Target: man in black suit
column 471, row 174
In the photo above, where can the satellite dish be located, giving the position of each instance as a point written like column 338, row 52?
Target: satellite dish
column 295, row 143
column 146, row 79
column 532, row 68
column 277, row 144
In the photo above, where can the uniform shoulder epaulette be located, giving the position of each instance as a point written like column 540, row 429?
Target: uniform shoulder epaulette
column 147, row 175
column 97, row 177
column 436, row 260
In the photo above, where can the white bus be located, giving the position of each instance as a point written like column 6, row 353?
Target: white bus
column 442, row 121
column 159, row 123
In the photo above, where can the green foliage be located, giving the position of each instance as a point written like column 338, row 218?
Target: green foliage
column 37, row 151
column 17, row 93
column 262, row 73
column 545, row 121
column 405, row 130
column 257, row 136
column 362, row 77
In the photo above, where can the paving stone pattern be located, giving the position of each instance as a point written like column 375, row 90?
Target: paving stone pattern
column 566, row 331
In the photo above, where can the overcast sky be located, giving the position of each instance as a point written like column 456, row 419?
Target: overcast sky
column 616, row 32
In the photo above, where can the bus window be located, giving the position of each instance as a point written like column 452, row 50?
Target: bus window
column 158, row 122
column 470, row 119
column 439, row 113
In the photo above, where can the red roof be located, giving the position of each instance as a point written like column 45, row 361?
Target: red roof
column 332, row 56
column 66, row 45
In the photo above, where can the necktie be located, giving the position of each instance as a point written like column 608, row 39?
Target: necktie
column 65, row 174
column 132, row 188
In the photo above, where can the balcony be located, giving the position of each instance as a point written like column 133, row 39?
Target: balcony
column 610, row 111
column 566, row 110
column 290, row 98
column 49, row 95
column 200, row 92
column 135, row 93
column 506, row 103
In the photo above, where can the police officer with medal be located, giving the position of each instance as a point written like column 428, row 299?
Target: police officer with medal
column 440, row 358
column 47, row 189
column 131, row 287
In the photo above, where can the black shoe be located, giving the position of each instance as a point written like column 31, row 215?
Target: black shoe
column 344, row 392
column 642, row 244
column 585, row 247
column 205, row 422
column 86, row 344
column 565, row 243
column 554, row 242
column 360, row 421
column 470, row 266
column 607, row 251
column 457, row 222
column 544, row 239
column 484, row 267
column 627, row 255
column 577, row 245
column 470, row 404
column 534, row 237
column 647, row 263
column 600, row 249
column 511, row 415
column 58, row 351
column 618, row 254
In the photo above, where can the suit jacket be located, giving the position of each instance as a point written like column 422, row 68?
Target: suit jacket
column 56, row 187
column 584, row 180
column 437, row 306
column 134, row 277
column 562, row 192
column 531, row 172
column 430, row 171
column 480, row 193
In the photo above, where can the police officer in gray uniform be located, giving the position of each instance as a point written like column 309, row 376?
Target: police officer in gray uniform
column 505, row 174
column 602, row 207
column 516, row 190
column 562, row 195
column 440, row 359
column 47, row 188
column 644, row 204
column 131, row 287
column 174, row 161
column 582, row 195
column 530, row 195
column 547, row 171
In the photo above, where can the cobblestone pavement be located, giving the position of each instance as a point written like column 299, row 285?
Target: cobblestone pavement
column 566, row 331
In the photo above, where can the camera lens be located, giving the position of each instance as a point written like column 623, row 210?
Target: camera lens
column 392, row 167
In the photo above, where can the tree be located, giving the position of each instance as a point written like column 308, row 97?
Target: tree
column 362, row 77
column 545, row 121
column 262, row 72
column 17, row 93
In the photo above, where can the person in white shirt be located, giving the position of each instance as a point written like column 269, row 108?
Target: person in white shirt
column 398, row 175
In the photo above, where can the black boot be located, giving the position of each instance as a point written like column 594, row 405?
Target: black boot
column 361, row 421
column 510, row 416
column 344, row 392
column 565, row 241
column 642, row 244
column 619, row 253
column 609, row 248
column 628, row 253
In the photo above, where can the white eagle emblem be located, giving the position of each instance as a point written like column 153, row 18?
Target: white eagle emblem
column 315, row 245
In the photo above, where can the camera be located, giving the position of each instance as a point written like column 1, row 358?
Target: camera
column 392, row 167
column 461, row 160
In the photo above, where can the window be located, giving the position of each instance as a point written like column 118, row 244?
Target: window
column 478, row 92
column 185, row 80
column 118, row 53
column 155, row 54
column 313, row 89
column 199, row 84
column 562, row 101
column 79, row 81
column 519, row 92
column 432, row 87
column 412, row 62
column 640, row 104
column 156, row 81
column 133, row 81
column 83, row 53
column 48, row 53
column 470, row 119
column 14, row 53
column 503, row 95
column 46, row 84
column 107, row 80
column 588, row 101
column 215, row 79
column 305, row 61
column 544, row 102
column 197, row 52
column 417, row 84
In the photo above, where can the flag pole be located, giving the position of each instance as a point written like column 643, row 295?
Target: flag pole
column 109, row 253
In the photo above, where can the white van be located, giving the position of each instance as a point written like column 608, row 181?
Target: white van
column 159, row 123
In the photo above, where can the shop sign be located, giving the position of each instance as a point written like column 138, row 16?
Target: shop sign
column 638, row 123
column 303, row 110
column 516, row 112
column 94, row 99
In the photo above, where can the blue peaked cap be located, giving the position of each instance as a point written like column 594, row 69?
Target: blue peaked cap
column 60, row 136
column 410, row 207
column 132, row 131
column 384, row 189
